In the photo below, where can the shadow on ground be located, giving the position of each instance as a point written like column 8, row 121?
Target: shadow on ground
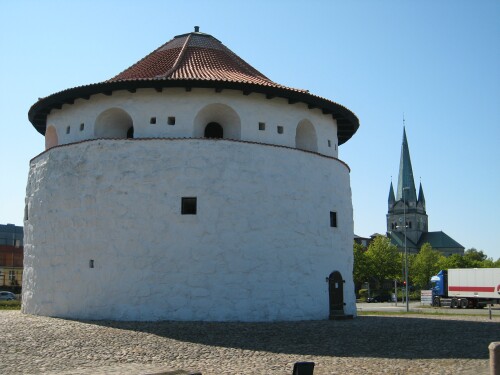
column 364, row 336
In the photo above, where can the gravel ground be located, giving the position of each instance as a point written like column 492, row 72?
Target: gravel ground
column 420, row 344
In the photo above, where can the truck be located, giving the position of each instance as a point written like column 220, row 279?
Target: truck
column 466, row 287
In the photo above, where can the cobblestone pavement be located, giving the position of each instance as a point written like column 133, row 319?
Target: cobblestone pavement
column 419, row 344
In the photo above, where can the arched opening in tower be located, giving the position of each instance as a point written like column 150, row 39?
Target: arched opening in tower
column 50, row 137
column 114, row 123
column 214, row 130
column 305, row 136
column 130, row 132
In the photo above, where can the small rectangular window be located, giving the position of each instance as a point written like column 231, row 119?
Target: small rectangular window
column 152, row 120
column 333, row 219
column 91, row 263
column 329, row 143
column 262, row 126
column 188, row 206
column 82, row 126
column 280, row 129
column 171, row 120
column 68, row 129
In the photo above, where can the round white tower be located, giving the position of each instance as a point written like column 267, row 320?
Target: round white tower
column 189, row 187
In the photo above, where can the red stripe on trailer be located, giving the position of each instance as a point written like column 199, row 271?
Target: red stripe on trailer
column 471, row 288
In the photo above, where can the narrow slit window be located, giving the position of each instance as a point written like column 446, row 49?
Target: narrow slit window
column 152, row 120
column 188, row 206
column 329, row 143
column 91, row 263
column 262, row 126
column 82, row 126
column 68, row 129
column 333, row 219
column 171, row 120
column 280, row 129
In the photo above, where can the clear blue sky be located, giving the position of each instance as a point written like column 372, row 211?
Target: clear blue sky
column 436, row 62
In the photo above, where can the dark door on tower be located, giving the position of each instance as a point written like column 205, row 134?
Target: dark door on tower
column 336, row 291
column 130, row 132
column 214, row 130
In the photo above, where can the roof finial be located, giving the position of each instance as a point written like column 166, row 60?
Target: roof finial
column 197, row 29
column 403, row 119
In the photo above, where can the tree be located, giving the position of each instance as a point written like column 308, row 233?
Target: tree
column 425, row 265
column 361, row 270
column 384, row 260
column 474, row 258
column 453, row 261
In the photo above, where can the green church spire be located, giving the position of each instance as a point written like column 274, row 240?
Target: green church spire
column 405, row 179
column 391, row 200
column 421, row 198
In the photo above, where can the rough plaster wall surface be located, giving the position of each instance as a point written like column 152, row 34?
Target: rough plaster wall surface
column 185, row 106
column 258, row 249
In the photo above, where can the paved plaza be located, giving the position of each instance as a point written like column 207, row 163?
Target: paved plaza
column 406, row 344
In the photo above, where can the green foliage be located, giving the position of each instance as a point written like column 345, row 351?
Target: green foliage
column 453, row 261
column 472, row 258
column 414, row 295
column 361, row 266
column 383, row 260
column 475, row 255
column 363, row 294
column 424, row 266
column 10, row 305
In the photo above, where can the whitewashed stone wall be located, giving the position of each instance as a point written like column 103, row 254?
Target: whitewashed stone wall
column 259, row 248
column 185, row 106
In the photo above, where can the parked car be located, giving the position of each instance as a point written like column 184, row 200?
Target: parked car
column 380, row 298
column 7, row 296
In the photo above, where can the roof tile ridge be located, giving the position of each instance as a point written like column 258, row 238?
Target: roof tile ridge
column 113, row 79
column 246, row 67
column 178, row 60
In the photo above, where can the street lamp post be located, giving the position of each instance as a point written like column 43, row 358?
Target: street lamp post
column 406, row 252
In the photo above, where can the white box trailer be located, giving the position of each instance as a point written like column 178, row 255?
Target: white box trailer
column 466, row 287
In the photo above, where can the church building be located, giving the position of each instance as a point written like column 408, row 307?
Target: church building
column 407, row 216
column 189, row 187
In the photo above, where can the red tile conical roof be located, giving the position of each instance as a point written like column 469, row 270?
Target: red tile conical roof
column 195, row 60
column 194, row 56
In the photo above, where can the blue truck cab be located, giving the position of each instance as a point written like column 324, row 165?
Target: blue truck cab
column 440, row 284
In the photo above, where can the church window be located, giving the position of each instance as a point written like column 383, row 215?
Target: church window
column 152, row 120
column 280, row 129
column 333, row 219
column 214, row 130
column 262, row 126
column 171, row 120
column 68, row 129
column 188, row 206
column 82, row 126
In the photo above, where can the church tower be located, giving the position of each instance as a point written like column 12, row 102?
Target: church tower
column 406, row 204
